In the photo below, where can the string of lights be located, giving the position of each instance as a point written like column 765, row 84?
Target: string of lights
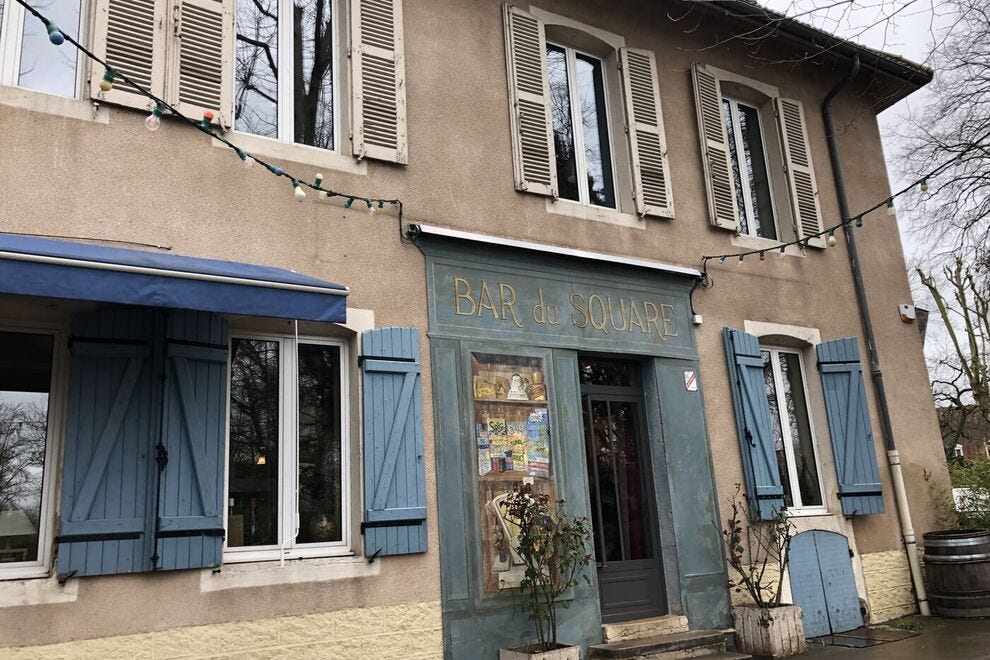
column 162, row 108
column 847, row 223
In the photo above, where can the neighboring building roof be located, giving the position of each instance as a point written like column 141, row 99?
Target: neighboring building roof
column 910, row 75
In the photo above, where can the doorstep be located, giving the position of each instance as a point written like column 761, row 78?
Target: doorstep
column 673, row 646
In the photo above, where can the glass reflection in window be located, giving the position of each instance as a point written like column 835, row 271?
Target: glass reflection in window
column 25, row 388
column 41, row 66
column 749, row 169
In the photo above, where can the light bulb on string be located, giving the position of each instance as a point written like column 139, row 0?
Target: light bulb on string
column 154, row 121
column 782, row 251
column 347, row 204
column 245, row 158
column 721, row 259
column 327, row 194
column 298, row 192
column 275, row 169
column 831, row 238
column 741, row 259
column 106, row 84
column 859, row 221
column 381, row 204
column 763, row 255
column 371, row 207
column 54, row 34
column 924, row 185
column 206, row 121
column 318, row 180
column 890, row 207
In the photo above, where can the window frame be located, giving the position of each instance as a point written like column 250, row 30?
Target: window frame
column 574, row 101
column 11, row 39
column 285, row 117
column 288, row 477
column 50, row 490
column 748, row 202
column 785, row 429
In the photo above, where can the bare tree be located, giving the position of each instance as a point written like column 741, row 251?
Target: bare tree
column 23, row 431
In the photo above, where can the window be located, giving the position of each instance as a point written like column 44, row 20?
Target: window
column 287, row 449
column 958, row 450
column 26, row 373
column 580, row 127
column 27, row 57
column 794, row 441
column 748, row 158
column 285, row 70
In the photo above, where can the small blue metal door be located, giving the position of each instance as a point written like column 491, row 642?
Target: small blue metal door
column 823, row 584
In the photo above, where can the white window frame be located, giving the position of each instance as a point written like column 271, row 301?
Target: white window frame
column 739, row 162
column 49, row 492
column 581, row 167
column 785, row 429
column 12, row 35
column 288, row 477
column 285, row 63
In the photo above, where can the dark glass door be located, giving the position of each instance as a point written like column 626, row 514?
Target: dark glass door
column 630, row 581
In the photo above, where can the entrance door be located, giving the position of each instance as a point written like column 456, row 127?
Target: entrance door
column 823, row 584
column 627, row 548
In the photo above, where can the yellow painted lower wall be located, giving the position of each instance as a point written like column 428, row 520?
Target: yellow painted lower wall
column 410, row 631
column 888, row 585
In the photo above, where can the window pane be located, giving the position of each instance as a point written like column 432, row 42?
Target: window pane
column 252, row 517
column 756, row 172
column 44, row 67
column 728, row 116
column 256, row 68
column 778, row 434
column 598, row 159
column 563, row 129
column 797, row 415
column 25, row 382
column 313, row 88
column 319, row 444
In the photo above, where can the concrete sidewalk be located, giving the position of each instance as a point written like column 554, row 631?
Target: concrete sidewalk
column 940, row 639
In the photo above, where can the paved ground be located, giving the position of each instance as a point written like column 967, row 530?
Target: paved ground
column 940, row 639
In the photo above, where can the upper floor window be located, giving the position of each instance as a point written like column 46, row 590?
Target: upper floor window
column 285, row 70
column 586, row 120
column 286, row 448
column 27, row 58
column 756, row 157
column 751, row 175
column 580, row 126
column 794, row 442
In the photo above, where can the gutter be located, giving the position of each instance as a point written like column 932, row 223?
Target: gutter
column 893, row 456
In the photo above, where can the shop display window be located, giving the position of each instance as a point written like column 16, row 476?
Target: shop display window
column 512, row 437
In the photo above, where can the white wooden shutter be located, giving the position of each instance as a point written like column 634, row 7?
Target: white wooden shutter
column 201, row 61
column 130, row 36
column 378, row 81
column 529, row 111
column 722, row 209
column 647, row 142
column 800, row 171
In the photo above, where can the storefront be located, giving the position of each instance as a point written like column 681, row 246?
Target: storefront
column 575, row 372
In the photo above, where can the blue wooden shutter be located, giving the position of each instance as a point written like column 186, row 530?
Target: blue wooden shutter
column 756, row 435
column 112, row 414
column 190, row 495
column 849, row 426
column 394, row 480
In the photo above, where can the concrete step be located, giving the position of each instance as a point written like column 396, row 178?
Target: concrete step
column 675, row 646
column 652, row 627
column 729, row 655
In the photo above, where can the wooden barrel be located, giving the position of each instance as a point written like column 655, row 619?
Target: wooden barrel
column 957, row 564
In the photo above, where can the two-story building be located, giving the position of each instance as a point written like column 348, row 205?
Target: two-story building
column 244, row 418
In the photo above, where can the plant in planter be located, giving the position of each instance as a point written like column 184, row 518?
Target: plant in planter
column 553, row 548
column 758, row 551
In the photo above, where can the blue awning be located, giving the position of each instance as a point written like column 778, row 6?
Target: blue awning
column 78, row 271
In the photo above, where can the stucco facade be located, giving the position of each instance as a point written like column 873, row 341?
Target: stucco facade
column 70, row 168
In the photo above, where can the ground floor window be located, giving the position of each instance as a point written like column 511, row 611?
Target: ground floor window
column 287, row 453
column 794, row 441
column 26, row 376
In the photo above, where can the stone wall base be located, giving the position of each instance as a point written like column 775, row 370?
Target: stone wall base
column 888, row 585
column 409, row 631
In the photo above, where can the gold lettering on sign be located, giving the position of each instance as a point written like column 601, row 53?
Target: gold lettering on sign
column 577, row 304
column 652, row 316
column 486, row 294
column 508, row 301
column 462, row 291
column 622, row 314
column 635, row 318
column 546, row 314
column 667, row 321
column 596, row 324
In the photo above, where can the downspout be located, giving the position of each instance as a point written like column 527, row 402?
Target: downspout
column 893, row 457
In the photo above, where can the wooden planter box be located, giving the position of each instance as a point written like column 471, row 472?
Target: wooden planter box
column 526, row 653
column 772, row 632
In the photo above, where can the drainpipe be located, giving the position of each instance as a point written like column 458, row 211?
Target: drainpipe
column 893, row 457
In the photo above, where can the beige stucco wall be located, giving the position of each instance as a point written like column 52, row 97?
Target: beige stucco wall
column 113, row 179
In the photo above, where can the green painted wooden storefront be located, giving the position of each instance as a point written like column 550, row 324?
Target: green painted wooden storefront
column 525, row 307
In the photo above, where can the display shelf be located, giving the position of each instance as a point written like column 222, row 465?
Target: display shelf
column 514, row 402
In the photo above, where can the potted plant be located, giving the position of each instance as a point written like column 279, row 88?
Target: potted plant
column 553, row 548
column 758, row 552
